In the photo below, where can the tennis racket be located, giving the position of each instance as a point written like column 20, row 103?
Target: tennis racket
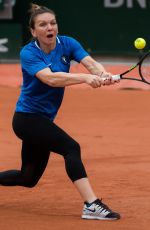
column 142, row 73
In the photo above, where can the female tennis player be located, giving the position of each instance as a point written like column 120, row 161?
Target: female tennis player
column 45, row 65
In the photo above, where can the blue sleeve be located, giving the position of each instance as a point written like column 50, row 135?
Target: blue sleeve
column 77, row 51
column 31, row 62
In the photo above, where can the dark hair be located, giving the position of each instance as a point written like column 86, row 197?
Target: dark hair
column 36, row 10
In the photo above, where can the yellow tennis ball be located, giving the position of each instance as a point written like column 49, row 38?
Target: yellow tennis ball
column 140, row 43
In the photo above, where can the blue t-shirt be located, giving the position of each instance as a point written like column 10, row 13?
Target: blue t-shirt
column 37, row 97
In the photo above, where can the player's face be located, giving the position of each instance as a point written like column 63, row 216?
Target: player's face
column 45, row 29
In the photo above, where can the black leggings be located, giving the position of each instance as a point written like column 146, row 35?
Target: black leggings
column 39, row 137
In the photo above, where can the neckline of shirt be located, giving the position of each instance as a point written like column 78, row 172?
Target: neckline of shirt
column 36, row 44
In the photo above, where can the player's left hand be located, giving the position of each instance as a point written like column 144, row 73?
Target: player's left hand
column 107, row 78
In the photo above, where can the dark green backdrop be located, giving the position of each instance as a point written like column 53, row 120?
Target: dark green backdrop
column 1, row 4
column 100, row 30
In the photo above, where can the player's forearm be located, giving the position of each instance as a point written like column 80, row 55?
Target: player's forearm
column 93, row 66
column 96, row 68
column 61, row 79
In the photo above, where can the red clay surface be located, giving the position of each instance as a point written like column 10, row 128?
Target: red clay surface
column 112, row 127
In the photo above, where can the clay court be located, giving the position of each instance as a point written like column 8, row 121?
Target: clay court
column 112, row 126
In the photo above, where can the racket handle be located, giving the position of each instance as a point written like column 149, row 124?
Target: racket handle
column 116, row 77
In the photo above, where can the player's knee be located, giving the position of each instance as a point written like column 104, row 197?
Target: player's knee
column 30, row 183
column 75, row 149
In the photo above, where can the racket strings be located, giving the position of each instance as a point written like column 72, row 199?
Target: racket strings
column 145, row 69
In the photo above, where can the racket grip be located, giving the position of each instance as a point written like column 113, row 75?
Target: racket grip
column 116, row 77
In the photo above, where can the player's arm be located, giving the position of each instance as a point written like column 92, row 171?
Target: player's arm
column 62, row 79
column 94, row 67
column 34, row 66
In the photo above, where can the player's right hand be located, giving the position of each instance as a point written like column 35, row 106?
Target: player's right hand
column 94, row 81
